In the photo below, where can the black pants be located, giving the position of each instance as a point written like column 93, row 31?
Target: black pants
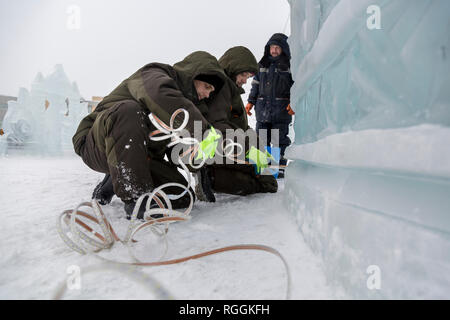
column 241, row 180
column 283, row 131
column 118, row 144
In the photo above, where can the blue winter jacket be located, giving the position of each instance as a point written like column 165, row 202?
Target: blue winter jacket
column 271, row 86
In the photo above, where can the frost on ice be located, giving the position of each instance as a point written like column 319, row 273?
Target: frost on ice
column 44, row 119
column 370, row 182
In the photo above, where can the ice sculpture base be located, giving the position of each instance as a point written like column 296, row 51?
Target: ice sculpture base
column 358, row 218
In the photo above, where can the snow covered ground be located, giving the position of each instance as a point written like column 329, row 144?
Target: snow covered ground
column 34, row 261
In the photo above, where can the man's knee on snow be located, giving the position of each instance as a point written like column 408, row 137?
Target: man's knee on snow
column 233, row 182
column 267, row 184
column 243, row 184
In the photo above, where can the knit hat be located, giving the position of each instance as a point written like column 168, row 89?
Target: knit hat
column 213, row 80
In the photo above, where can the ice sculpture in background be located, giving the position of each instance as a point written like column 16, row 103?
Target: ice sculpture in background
column 370, row 181
column 42, row 121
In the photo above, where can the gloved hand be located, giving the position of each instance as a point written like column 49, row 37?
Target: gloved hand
column 259, row 158
column 289, row 110
column 249, row 107
column 207, row 148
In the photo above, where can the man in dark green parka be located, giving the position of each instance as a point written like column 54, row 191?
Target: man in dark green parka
column 114, row 138
column 226, row 111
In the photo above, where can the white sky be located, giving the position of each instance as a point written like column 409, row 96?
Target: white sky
column 116, row 37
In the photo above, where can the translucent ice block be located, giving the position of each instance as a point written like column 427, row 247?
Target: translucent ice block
column 370, row 180
column 350, row 77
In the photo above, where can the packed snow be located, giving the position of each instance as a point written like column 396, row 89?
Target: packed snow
column 35, row 261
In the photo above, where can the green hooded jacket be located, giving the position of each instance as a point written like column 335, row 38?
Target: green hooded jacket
column 226, row 109
column 160, row 89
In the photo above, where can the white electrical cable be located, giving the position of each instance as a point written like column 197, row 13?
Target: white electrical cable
column 85, row 242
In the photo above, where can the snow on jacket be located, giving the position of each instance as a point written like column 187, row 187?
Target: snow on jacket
column 271, row 86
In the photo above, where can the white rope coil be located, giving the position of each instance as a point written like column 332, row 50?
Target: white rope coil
column 84, row 239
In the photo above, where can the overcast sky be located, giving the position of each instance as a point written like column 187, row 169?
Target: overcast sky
column 116, row 37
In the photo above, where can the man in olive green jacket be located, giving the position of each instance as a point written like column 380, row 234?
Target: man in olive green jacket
column 114, row 138
column 226, row 111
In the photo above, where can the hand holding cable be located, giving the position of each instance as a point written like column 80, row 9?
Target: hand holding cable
column 207, row 147
column 259, row 159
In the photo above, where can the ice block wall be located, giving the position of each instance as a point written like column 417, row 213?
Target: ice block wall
column 370, row 180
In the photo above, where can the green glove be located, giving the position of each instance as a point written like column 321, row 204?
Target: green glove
column 207, row 148
column 259, row 158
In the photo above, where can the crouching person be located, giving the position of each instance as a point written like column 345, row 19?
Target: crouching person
column 114, row 139
column 226, row 112
column 270, row 95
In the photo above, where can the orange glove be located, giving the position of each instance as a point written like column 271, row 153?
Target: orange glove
column 249, row 107
column 289, row 110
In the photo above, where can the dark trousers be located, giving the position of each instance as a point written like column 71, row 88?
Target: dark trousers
column 265, row 133
column 118, row 144
column 241, row 180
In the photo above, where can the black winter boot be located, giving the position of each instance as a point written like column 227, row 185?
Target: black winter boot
column 283, row 162
column 129, row 207
column 181, row 203
column 203, row 185
column 267, row 184
column 104, row 191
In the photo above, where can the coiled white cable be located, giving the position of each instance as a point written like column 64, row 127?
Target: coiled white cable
column 85, row 242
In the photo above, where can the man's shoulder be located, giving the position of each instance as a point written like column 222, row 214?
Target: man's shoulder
column 153, row 67
column 228, row 89
column 158, row 67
